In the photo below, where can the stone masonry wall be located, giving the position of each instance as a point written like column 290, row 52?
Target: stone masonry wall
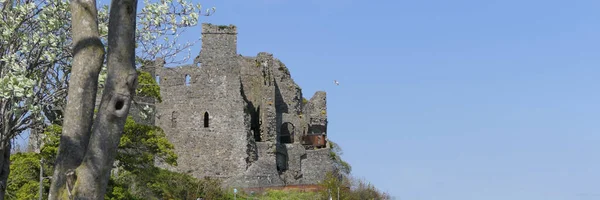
column 219, row 149
column 239, row 119
column 256, row 117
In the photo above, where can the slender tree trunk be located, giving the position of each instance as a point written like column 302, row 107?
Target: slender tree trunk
column 4, row 167
column 88, row 57
column 94, row 172
column 5, row 125
column 84, row 160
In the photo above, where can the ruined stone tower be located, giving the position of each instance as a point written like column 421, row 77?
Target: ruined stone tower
column 241, row 119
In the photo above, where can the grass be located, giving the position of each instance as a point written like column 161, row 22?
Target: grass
column 284, row 194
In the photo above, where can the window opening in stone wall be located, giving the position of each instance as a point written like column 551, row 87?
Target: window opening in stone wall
column 316, row 130
column 281, row 160
column 287, row 133
column 255, row 125
column 187, row 79
column 205, row 119
column 174, row 119
column 157, row 79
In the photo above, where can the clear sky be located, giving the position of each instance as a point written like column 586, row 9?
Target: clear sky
column 438, row 99
column 445, row 99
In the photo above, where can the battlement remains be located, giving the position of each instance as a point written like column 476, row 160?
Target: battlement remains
column 218, row 41
column 218, row 29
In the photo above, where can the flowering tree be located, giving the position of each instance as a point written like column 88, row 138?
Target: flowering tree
column 160, row 26
column 33, row 67
column 36, row 58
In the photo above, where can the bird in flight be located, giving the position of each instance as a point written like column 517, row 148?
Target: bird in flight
column 336, row 82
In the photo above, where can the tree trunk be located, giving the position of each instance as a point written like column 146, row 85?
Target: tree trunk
column 84, row 160
column 4, row 167
column 88, row 57
column 94, row 172
column 5, row 125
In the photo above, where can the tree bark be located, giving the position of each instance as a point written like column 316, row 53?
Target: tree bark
column 94, row 172
column 4, row 167
column 5, row 146
column 84, row 160
column 88, row 57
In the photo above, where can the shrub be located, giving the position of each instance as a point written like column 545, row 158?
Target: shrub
column 350, row 188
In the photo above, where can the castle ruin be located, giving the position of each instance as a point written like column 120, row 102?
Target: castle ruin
column 240, row 119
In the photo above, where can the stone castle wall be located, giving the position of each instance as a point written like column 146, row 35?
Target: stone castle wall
column 240, row 119
column 237, row 118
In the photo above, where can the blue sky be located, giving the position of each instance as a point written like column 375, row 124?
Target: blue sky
column 454, row 100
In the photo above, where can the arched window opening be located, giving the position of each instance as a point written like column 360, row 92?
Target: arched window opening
column 287, row 133
column 187, row 79
column 205, row 119
column 157, row 79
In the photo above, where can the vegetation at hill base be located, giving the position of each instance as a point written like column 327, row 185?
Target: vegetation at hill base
column 135, row 176
column 33, row 90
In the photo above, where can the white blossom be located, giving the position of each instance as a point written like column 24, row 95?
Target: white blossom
column 35, row 48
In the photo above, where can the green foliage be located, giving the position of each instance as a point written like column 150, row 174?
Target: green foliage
column 334, row 154
column 330, row 184
column 365, row 190
column 141, row 144
column 272, row 194
column 350, row 189
column 288, row 195
column 163, row 184
column 35, row 62
column 187, row 186
column 118, row 191
column 51, row 141
column 345, row 166
column 147, row 86
column 23, row 182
